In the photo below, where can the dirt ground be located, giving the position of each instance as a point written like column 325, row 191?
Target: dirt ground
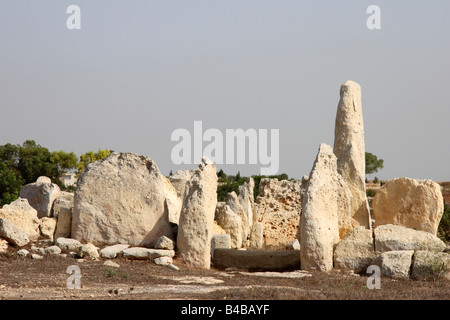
column 29, row 279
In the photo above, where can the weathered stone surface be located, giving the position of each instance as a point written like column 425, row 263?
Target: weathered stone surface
column 63, row 203
column 256, row 260
column 216, row 228
column 319, row 229
column 393, row 238
column 41, row 195
column 356, row 251
column 220, row 241
column 20, row 213
column 411, row 203
column 246, row 199
column 44, row 179
column 232, row 201
column 4, row 246
column 47, row 227
column 173, row 267
column 173, row 202
column 62, row 210
column 395, row 264
column 64, row 224
column 141, row 253
column 278, row 208
column 429, row 265
column 15, row 235
column 345, row 218
column 163, row 261
column 165, row 243
column 294, row 245
column 121, row 199
column 88, row 251
column 256, row 235
column 179, row 181
column 349, row 148
column 112, row 264
column 52, row 250
column 68, row 245
column 231, row 223
column 197, row 216
column 21, row 253
column 114, row 251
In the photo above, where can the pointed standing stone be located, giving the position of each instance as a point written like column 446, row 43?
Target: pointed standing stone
column 349, row 149
column 197, row 216
column 319, row 227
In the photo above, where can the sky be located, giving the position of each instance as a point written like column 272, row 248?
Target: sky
column 137, row 71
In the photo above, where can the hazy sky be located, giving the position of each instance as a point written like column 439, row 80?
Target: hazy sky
column 138, row 70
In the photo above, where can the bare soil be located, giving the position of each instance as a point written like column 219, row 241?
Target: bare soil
column 29, row 279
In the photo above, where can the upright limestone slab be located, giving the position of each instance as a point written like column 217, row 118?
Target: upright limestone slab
column 197, row 216
column 349, row 149
column 121, row 199
column 246, row 200
column 319, row 227
column 411, row 203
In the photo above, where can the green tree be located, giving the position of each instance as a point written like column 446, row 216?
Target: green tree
column 10, row 184
column 63, row 162
column 221, row 174
column 34, row 161
column 444, row 225
column 373, row 164
column 90, row 156
column 9, row 154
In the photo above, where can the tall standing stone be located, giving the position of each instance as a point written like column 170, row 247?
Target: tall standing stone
column 232, row 201
column 349, row 149
column 197, row 216
column 319, row 228
column 246, row 200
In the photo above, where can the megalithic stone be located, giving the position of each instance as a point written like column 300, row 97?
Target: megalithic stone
column 319, row 222
column 349, row 148
column 197, row 216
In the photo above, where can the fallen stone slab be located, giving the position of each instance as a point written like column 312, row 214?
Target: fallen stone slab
column 270, row 274
column 257, row 259
column 141, row 253
column 393, row 238
column 112, row 252
column 67, row 244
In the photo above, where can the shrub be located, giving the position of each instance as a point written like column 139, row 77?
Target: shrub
column 371, row 193
column 444, row 226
